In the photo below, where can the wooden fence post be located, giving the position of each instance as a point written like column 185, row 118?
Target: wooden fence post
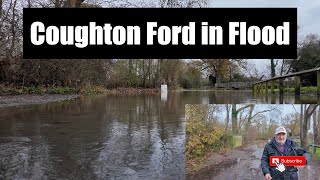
column 297, row 85
column 281, row 86
column 266, row 84
column 272, row 86
column 254, row 90
column 281, row 91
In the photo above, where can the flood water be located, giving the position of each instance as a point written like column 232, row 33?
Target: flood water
column 106, row 137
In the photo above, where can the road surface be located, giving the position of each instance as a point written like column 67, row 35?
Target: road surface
column 244, row 164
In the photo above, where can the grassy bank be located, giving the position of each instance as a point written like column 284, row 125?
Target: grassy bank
column 14, row 90
column 88, row 91
column 310, row 90
column 317, row 154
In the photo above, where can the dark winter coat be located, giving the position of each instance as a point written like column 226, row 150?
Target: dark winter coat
column 291, row 149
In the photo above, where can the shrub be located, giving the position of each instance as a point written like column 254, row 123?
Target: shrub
column 62, row 90
column 92, row 91
column 204, row 137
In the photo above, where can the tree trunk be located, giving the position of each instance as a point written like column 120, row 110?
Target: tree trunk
column 234, row 118
column 235, row 112
column 308, row 122
column 304, row 141
column 149, row 73
column 282, row 66
column 144, row 78
column 315, row 128
column 273, row 68
column 227, row 117
column 230, row 73
column 301, row 121
column 248, row 124
column 218, row 77
column 303, row 136
column 13, row 29
column 29, row 3
column 317, row 136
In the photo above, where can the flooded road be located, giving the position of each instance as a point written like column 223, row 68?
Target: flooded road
column 246, row 164
column 104, row 137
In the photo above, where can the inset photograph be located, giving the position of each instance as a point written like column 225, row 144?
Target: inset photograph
column 252, row 141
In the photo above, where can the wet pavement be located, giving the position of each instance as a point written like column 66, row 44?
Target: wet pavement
column 244, row 164
column 246, row 167
column 103, row 137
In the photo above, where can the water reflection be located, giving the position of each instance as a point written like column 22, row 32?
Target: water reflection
column 106, row 137
column 102, row 137
column 231, row 96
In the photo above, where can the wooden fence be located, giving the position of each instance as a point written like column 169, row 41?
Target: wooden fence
column 260, row 85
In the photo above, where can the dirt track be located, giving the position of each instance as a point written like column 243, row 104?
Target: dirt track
column 244, row 164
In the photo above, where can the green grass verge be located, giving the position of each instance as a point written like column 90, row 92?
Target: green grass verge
column 7, row 90
column 317, row 154
column 85, row 91
column 93, row 91
column 48, row 90
column 291, row 90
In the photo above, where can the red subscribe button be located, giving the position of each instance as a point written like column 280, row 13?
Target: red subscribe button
column 288, row 160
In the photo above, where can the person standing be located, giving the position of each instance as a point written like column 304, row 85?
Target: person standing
column 280, row 145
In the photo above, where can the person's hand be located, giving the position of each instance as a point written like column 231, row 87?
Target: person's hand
column 280, row 167
column 268, row 176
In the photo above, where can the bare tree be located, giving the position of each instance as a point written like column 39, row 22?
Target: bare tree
column 273, row 67
column 315, row 128
column 304, row 124
column 227, row 117
column 291, row 122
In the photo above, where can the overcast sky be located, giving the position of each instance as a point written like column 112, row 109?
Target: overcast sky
column 308, row 10
column 280, row 111
column 308, row 16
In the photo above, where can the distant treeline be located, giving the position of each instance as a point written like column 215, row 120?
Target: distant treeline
column 146, row 73
column 79, row 73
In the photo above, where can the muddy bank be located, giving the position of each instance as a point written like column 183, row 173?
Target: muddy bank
column 26, row 99
column 126, row 91
column 13, row 97
column 239, row 163
column 9, row 100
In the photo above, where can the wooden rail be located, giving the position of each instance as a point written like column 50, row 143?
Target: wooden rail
column 316, row 145
column 257, row 86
